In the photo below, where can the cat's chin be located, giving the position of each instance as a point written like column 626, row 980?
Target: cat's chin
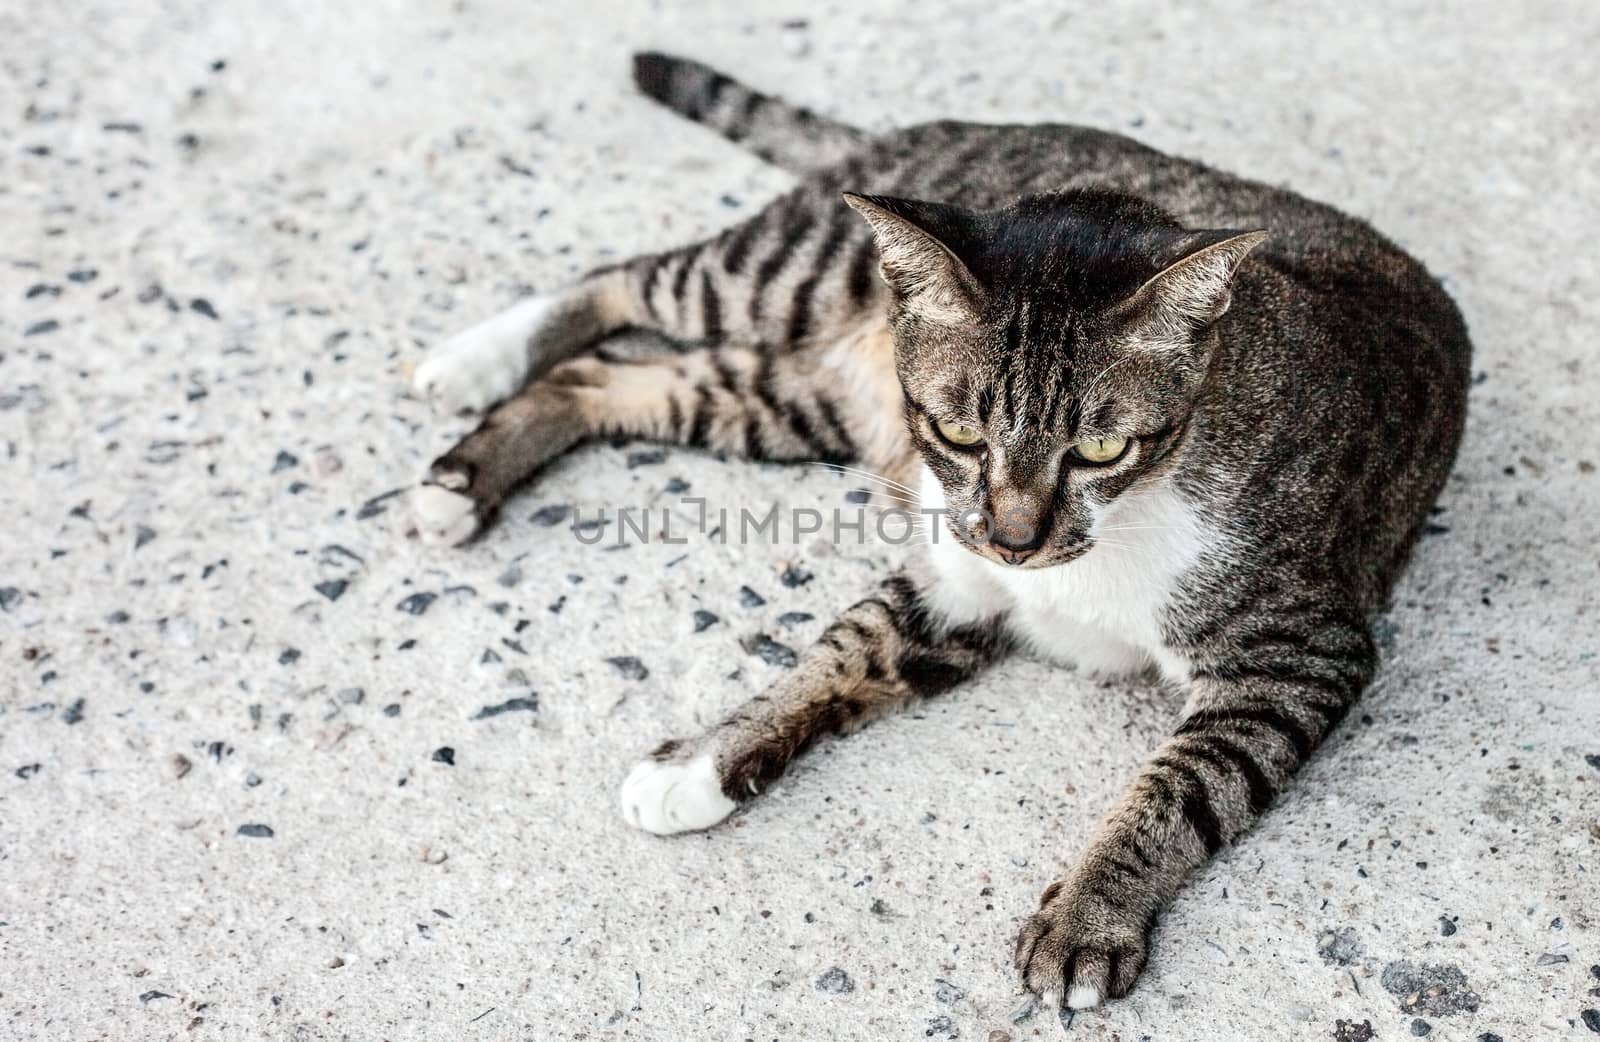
column 1037, row 563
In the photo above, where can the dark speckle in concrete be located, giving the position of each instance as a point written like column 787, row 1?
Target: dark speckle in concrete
column 417, row 603
column 445, row 755
column 1440, row 990
column 629, row 666
column 1339, row 947
column 646, row 458
column 1350, row 1031
column 256, row 831
column 550, row 516
column 529, row 704
column 377, row 504
column 835, row 982
column 770, row 651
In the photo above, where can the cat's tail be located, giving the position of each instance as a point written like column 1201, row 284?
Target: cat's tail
column 784, row 135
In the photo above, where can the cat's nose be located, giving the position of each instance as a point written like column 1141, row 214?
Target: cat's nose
column 1015, row 550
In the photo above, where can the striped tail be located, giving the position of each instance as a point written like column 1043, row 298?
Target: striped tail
column 784, row 135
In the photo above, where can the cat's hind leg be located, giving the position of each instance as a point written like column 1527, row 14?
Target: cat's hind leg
column 879, row 655
column 494, row 359
column 798, row 272
column 741, row 401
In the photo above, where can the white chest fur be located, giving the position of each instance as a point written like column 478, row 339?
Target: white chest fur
column 1102, row 612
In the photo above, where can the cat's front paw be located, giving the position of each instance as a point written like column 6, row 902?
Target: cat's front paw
column 1082, row 947
column 667, row 794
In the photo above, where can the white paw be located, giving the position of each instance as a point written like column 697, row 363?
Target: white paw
column 444, row 518
column 1083, row 996
column 674, row 797
column 485, row 364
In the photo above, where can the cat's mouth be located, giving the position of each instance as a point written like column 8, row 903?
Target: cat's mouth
column 1048, row 557
column 1023, row 557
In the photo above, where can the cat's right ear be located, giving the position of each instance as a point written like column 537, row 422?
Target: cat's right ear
column 928, row 279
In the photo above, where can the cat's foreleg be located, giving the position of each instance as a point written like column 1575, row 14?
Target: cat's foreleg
column 882, row 653
column 1251, row 720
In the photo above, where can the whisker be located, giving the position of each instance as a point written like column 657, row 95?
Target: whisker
column 905, row 505
column 1142, row 551
column 1102, row 375
column 1139, row 528
column 880, row 478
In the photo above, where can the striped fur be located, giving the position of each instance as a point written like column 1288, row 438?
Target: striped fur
column 1270, row 416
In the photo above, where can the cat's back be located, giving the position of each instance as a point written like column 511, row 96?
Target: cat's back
column 1319, row 266
column 983, row 165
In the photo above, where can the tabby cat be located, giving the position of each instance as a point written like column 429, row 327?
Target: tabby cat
column 1177, row 421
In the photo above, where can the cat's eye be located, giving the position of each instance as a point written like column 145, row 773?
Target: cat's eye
column 958, row 433
column 1100, row 451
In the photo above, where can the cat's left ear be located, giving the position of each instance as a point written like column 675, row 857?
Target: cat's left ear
column 1195, row 290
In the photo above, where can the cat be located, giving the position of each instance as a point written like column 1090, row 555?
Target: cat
column 1176, row 422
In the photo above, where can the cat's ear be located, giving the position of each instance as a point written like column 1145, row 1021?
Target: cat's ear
column 1195, row 290
column 928, row 279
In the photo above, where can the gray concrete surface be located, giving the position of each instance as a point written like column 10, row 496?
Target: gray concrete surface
column 228, row 228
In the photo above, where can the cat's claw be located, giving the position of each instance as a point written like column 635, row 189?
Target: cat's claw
column 1083, row 996
column 1079, row 949
column 665, row 797
column 444, row 517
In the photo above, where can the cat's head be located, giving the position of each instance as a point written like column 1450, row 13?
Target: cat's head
column 1050, row 353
